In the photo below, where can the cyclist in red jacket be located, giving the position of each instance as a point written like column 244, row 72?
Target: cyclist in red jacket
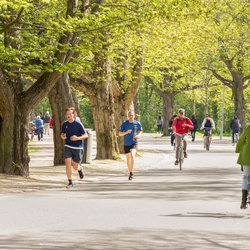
column 180, row 127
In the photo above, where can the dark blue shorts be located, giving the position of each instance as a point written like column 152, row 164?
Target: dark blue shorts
column 128, row 148
column 75, row 154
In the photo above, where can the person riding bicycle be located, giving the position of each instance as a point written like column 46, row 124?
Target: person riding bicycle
column 180, row 127
column 207, row 125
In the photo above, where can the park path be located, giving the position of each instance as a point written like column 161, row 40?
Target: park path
column 162, row 208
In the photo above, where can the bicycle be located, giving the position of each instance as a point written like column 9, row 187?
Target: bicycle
column 207, row 138
column 181, row 150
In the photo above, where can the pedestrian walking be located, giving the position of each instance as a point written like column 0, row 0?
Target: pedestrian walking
column 131, row 130
column 243, row 148
column 39, row 127
column 195, row 123
column 46, row 120
column 73, row 133
column 159, row 123
column 235, row 127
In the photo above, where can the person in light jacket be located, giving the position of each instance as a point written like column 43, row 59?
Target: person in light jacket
column 243, row 148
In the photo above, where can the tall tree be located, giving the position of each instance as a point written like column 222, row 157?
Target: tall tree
column 24, row 58
column 226, row 50
column 60, row 97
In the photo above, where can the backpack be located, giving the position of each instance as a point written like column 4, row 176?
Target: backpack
column 208, row 124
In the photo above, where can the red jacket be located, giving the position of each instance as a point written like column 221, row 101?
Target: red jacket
column 178, row 128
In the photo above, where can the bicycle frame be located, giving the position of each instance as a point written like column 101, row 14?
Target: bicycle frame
column 181, row 150
column 207, row 137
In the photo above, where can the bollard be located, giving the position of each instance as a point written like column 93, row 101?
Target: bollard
column 88, row 147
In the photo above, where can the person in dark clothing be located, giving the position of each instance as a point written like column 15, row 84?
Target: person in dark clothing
column 170, row 129
column 159, row 123
column 195, row 123
column 73, row 133
column 235, row 126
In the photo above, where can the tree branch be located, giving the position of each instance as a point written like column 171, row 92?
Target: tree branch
column 7, row 26
column 246, row 81
column 154, row 87
column 133, row 88
column 84, row 84
column 222, row 79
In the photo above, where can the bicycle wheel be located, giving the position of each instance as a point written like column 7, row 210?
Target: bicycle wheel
column 180, row 163
column 181, row 158
column 207, row 143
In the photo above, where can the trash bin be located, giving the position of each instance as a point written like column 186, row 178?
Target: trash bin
column 87, row 144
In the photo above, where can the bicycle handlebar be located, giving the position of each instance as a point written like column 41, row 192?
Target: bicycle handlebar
column 207, row 128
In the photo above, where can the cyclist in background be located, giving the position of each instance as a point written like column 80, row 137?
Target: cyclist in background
column 181, row 126
column 207, row 125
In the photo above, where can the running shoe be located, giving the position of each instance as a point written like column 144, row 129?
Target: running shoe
column 130, row 177
column 70, row 185
column 80, row 172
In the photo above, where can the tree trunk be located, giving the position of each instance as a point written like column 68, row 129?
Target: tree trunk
column 120, row 115
column 60, row 97
column 6, row 129
column 239, row 101
column 168, row 110
column 103, row 110
column 137, row 104
column 14, row 138
column 21, row 159
column 101, row 98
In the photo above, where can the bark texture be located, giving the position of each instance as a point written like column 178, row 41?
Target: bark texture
column 60, row 98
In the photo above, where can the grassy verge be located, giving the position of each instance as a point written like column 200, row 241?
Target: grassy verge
column 32, row 149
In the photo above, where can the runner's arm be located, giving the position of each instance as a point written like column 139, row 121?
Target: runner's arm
column 79, row 138
column 122, row 133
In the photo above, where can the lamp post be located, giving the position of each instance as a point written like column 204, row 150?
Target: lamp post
column 222, row 111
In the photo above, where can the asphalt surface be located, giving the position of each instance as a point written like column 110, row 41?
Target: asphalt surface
column 162, row 208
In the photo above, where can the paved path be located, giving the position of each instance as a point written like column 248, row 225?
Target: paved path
column 162, row 208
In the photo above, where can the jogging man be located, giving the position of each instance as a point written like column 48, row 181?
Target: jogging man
column 131, row 130
column 73, row 133
column 180, row 127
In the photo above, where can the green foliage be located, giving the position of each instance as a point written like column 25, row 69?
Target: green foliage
column 150, row 107
column 175, row 38
column 42, row 107
column 86, row 113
